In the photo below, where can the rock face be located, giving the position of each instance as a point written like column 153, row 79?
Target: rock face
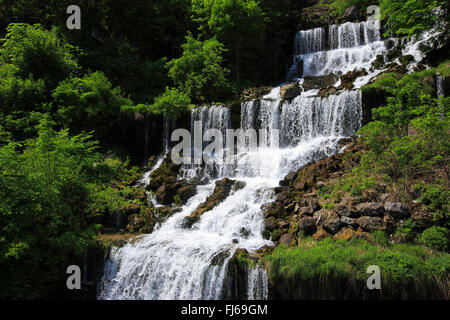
column 332, row 224
column 185, row 193
column 307, row 225
column 370, row 209
column 221, row 192
column 289, row 91
column 397, row 210
column 370, row 223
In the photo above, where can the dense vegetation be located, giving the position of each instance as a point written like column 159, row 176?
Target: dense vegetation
column 63, row 92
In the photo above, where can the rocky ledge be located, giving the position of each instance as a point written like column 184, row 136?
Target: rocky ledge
column 299, row 209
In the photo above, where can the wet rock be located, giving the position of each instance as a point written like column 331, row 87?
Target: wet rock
column 397, row 210
column 349, row 78
column 244, row 232
column 290, row 91
column 371, row 209
column 221, row 192
column 370, row 223
column 317, row 83
column 185, row 193
column 379, row 62
column 332, row 224
column 288, row 239
column 307, row 225
column 405, row 60
column 287, row 181
column 239, row 185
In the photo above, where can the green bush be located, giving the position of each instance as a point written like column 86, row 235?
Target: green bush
column 436, row 238
column 89, row 103
column 199, row 71
column 33, row 50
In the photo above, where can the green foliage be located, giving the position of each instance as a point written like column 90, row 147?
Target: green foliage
column 172, row 103
column 411, row 16
column 348, row 260
column 200, row 70
column 436, row 198
column 339, row 6
column 409, row 135
column 35, row 51
column 43, row 192
column 436, row 238
column 88, row 103
column 240, row 25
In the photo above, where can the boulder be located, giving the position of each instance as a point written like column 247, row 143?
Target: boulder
column 185, row 193
column 332, row 224
column 274, row 209
column 371, row 209
column 221, row 192
column 307, row 225
column 287, row 181
column 288, row 239
column 397, row 210
column 290, row 91
column 370, row 223
column 349, row 221
column 343, row 209
column 405, row 60
column 270, row 223
column 317, row 83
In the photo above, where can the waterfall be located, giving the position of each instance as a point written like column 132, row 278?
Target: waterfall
column 175, row 262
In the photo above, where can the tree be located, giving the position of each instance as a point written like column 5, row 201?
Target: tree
column 35, row 51
column 411, row 16
column 44, row 191
column 199, row 70
column 239, row 24
column 172, row 103
column 88, row 103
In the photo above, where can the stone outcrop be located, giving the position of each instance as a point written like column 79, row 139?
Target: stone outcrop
column 221, row 191
column 289, row 91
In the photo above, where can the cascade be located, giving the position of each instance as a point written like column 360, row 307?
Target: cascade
column 174, row 262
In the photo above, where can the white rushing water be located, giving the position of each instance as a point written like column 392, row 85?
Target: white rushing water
column 178, row 263
column 175, row 262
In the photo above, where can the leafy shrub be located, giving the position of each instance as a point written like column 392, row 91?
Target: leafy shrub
column 33, row 50
column 436, row 238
